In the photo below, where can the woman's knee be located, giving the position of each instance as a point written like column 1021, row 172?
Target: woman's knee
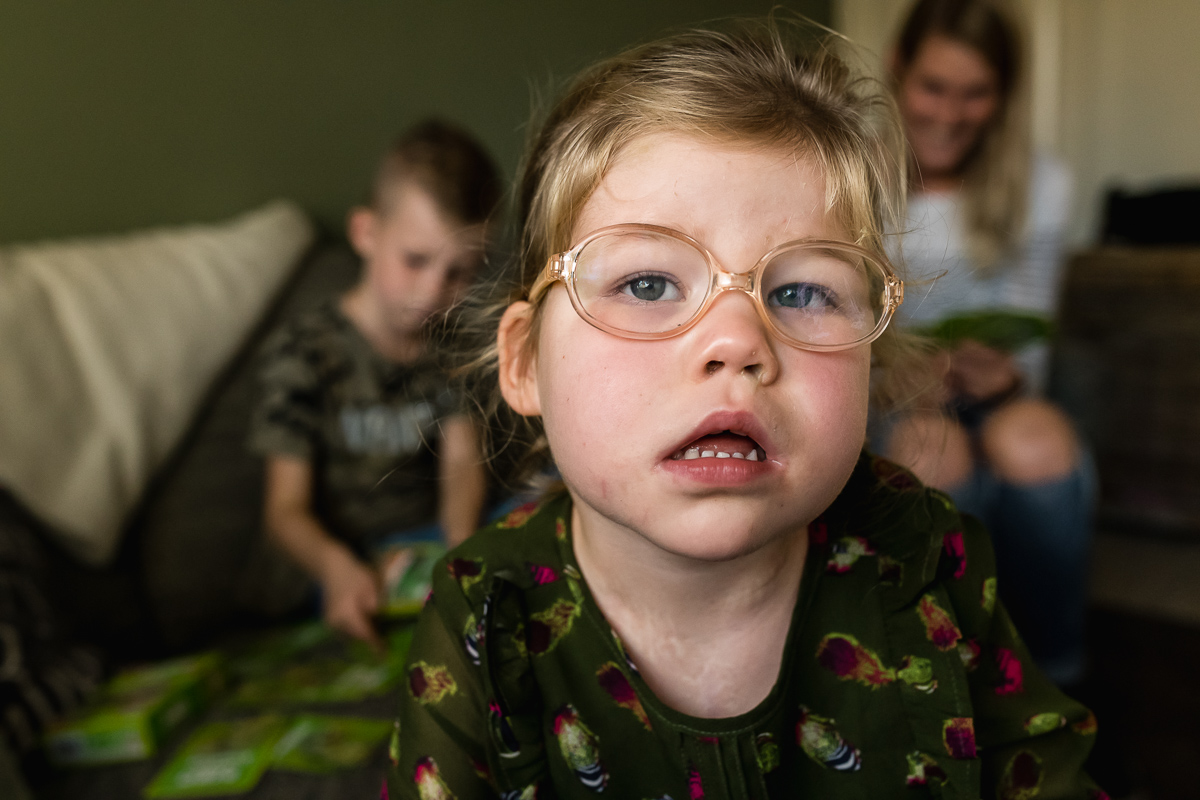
column 934, row 447
column 1029, row 441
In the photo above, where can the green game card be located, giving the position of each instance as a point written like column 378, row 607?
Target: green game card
column 220, row 758
column 317, row 743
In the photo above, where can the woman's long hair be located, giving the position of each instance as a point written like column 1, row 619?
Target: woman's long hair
column 996, row 171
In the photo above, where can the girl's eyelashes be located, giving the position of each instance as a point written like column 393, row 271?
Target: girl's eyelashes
column 804, row 296
column 651, row 287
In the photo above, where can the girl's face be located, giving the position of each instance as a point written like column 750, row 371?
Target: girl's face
column 948, row 96
column 621, row 414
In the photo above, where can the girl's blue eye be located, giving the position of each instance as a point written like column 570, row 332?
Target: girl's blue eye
column 806, row 296
column 651, row 288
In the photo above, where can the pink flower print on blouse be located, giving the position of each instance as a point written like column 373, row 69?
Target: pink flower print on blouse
column 894, row 476
column 922, row 768
column 1022, row 777
column 842, row 655
column 430, row 683
column 818, row 531
column 939, row 627
column 542, row 574
column 518, row 516
column 969, row 652
column 613, row 681
column 952, row 543
column 467, row 571
column 958, row 735
column 430, row 785
column 846, row 552
column 1010, row 672
column 1087, row 727
column 502, row 733
column 546, row 628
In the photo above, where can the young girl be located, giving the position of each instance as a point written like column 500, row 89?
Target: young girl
column 729, row 598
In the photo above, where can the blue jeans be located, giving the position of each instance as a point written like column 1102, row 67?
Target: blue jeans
column 1042, row 535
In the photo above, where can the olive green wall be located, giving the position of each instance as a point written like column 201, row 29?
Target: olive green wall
column 116, row 114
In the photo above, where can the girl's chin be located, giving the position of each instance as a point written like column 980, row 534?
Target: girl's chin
column 712, row 547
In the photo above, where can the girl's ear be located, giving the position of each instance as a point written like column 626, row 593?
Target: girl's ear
column 518, row 364
column 360, row 230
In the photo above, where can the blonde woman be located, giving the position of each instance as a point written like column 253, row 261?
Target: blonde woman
column 983, row 244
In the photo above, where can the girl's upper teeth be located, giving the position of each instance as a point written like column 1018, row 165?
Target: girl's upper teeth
column 695, row 452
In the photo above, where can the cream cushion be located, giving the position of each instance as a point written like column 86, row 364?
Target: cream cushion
column 110, row 344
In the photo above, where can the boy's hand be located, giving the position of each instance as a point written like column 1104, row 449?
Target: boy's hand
column 351, row 590
column 351, row 597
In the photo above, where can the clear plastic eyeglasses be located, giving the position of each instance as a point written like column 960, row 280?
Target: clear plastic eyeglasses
column 648, row 282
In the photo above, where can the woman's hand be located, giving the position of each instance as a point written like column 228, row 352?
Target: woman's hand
column 978, row 372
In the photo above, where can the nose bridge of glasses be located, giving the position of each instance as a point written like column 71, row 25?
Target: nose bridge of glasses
column 735, row 280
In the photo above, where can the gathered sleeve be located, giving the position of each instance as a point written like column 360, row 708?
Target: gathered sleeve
column 1031, row 738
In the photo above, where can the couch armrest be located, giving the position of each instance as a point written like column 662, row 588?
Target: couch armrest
column 1127, row 368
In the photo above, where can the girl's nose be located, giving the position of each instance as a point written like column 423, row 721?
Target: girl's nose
column 732, row 337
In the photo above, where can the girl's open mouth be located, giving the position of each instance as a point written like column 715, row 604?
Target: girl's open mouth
column 725, row 444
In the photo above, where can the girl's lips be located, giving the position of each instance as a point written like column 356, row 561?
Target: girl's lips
column 724, row 435
column 720, row 460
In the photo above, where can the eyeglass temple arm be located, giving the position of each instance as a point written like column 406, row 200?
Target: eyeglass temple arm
column 555, row 270
column 895, row 291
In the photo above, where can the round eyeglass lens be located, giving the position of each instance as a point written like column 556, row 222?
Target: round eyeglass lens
column 823, row 295
column 640, row 281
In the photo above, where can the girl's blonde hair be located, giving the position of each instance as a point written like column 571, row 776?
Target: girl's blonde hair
column 749, row 83
column 996, row 171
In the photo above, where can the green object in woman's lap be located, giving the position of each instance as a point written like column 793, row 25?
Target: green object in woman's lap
column 1002, row 330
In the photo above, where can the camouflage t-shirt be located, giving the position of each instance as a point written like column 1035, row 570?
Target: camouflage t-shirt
column 902, row 676
column 368, row 426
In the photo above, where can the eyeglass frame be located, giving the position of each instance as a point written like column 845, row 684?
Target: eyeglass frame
column 561, row 267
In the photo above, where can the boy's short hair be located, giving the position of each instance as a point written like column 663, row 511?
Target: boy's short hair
column 445, row 161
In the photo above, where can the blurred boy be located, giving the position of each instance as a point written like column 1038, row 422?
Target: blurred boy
column 361, row 434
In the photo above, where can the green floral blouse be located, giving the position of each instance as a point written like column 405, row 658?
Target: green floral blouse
column 902, row 675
